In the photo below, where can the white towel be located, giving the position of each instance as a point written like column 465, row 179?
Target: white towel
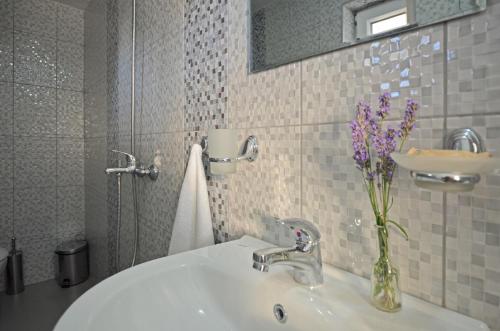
column 193, row 224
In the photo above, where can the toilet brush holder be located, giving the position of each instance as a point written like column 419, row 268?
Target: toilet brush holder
column 15, row 281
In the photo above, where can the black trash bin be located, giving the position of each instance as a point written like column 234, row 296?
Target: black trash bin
column 73, row 262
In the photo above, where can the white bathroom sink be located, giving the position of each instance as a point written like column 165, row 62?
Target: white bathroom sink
column 216, row 288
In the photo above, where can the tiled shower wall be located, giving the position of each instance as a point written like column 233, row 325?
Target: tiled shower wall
column 96, row 128
column 159, row 84
column 41, row 129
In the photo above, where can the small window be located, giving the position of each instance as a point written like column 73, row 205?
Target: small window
column 381, row 17
column 384, row 24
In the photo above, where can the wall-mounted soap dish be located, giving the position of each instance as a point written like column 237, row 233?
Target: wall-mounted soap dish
column 450, row 173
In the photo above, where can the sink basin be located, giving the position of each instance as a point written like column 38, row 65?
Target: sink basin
column 216, row 288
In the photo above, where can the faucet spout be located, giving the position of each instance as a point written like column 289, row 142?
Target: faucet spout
column 263, row 258
column 304, row 256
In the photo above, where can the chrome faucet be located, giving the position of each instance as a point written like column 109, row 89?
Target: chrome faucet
column 304, row 256
column 133, row 168
column 131, row 165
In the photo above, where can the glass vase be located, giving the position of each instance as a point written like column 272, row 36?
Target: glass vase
column 385, row 291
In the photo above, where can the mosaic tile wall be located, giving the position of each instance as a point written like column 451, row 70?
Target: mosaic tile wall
column 205, row 75
column 41, row 130
column 205, row 33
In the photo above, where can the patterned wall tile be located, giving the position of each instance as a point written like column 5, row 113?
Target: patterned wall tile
column 70, row 24
column 6, row 213
column 69, row 113
column 154, row 239
column 34, row 162
column 96, row 224
column 268, row 98
column 119, row 108
column 158, row 199
column 70, row 66
column 70, row 161
column 270, row 186
column 162, row 95
column 70, row 148
column 70, row 212
column 473, row 68
column 6, row 55
column 126, row 241
column 35, row 59
column 160, row 20
column 473, row 236
column 95, row 44
column 409, row 65
column 6, row 14
column 7, row 112
column 95, row 161
column 95, row 116
column 34, row 110
column 36, row 16
column 334, row 199
column 35, row 212
column 38, row 258
column 7, row 153
column 7, row 191
column 205, row 63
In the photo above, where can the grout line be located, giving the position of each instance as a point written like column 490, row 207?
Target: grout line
column 44, row 86
column 445, row 129
column 330, row 123
column 13, row 161
column 45, row 36
column 57, row 128
column 301, row 141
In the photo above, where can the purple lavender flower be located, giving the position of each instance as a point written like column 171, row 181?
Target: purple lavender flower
column 364, row 115
column 409, row 119
column 384, row 105
column 373, row 146
column 359, row 136
column 361, row 128
column 384, row 142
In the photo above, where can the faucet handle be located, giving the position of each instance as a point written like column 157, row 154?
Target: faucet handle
column 306, row 233
column 130, row 158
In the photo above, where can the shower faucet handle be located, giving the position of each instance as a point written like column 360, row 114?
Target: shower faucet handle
column 131, row 161
column 134, row 169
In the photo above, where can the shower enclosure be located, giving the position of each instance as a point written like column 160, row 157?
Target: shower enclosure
column 129, row 49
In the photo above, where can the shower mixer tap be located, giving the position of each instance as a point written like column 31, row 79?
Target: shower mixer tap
column 133, row 167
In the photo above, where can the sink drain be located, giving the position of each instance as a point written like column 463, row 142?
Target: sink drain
column 280, row 313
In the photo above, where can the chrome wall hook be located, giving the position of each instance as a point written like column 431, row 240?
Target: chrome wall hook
column 204, row 144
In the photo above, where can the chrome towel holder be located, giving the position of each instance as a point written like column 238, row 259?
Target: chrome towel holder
column 249, row 151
